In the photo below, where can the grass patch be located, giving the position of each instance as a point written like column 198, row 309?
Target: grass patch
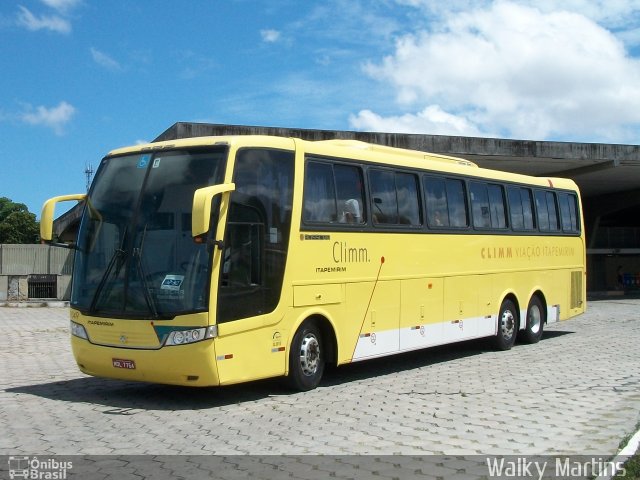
column 631, row 466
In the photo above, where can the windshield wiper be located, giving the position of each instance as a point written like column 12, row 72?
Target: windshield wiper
column 118, row 257
column 118, row 254
column 148, row 297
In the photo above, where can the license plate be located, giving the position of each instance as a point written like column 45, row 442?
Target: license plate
column 123, row 363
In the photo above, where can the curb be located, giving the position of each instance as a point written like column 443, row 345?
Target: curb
column 623, row 456
column 36, row 304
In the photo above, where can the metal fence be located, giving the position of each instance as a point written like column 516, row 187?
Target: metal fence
column 35, row 260
column 42, row 286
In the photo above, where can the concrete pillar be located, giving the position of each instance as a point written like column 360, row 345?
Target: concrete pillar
column 4, row 288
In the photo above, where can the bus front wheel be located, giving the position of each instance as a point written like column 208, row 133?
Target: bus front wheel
column 507, row 326
column 306, row 358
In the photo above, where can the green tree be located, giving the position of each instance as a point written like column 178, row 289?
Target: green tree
column 17, row 224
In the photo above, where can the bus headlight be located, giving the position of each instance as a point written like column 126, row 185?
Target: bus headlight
column 78, row 330
column 192, row 335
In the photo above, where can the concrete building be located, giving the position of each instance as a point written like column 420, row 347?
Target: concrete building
column 29, row 272
column 608, row 176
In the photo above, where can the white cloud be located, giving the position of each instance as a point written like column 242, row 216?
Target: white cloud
column 269, row 35
column 616, row 14
column 61, row 5
column 613, row 14
column 104, row 60
column 432, row 119
column 512, row 70
column 55, row 118
column 43, row 22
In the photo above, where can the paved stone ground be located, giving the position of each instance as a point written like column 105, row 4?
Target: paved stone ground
column 576, row 392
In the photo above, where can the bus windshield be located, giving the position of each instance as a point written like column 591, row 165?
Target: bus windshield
column 135, row 255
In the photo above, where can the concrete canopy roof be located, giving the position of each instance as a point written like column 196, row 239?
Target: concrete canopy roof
column 598, row 169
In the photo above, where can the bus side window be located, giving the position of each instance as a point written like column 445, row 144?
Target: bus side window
column 437, row 208
column 408, row 199
column 350, row 194
column 384, row 206
column 515, row 208
column 446, row 205
column 319, row 194
column 480, row 205
column 548, row 217
column 542, row 211
column 520, row 208
column 554, row 224
column 527, row 209
column 457, row 203
column 496, row 206
column 395, row 198
column 568, row 212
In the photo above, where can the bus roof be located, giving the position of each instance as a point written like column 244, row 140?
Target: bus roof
column 403, row 152
column 354, row 149
column 259, row 140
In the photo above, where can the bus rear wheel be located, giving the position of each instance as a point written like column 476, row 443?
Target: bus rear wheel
column 306, row 358
column 507, row 326
column 535, row 321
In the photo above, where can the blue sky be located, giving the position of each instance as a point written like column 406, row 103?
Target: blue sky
column 81, row 77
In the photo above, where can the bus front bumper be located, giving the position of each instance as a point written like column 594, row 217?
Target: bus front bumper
column 191, row 365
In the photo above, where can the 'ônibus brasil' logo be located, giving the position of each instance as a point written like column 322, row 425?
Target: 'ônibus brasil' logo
column 34, row 468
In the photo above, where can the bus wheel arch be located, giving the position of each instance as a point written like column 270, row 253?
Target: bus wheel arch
column 536, row 317
column 313, row 345
column 329, row 339
column 508, row 323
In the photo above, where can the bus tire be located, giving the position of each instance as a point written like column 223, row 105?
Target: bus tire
column 306, row 358
column 535, row 321
column 507, row 326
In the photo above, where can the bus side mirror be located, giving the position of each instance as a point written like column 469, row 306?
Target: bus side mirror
column 48, row 210
column 201, row 212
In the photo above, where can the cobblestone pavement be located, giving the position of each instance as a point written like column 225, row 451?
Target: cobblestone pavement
column 576, row 392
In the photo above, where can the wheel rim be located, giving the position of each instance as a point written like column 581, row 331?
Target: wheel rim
column 309, row 354
column 507, row 324
column 535, row 319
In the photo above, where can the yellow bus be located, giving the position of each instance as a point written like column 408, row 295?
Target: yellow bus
column 219, row 260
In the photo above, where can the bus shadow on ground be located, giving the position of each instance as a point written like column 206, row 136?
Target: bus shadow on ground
column 415, row 359
column 127, row 398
